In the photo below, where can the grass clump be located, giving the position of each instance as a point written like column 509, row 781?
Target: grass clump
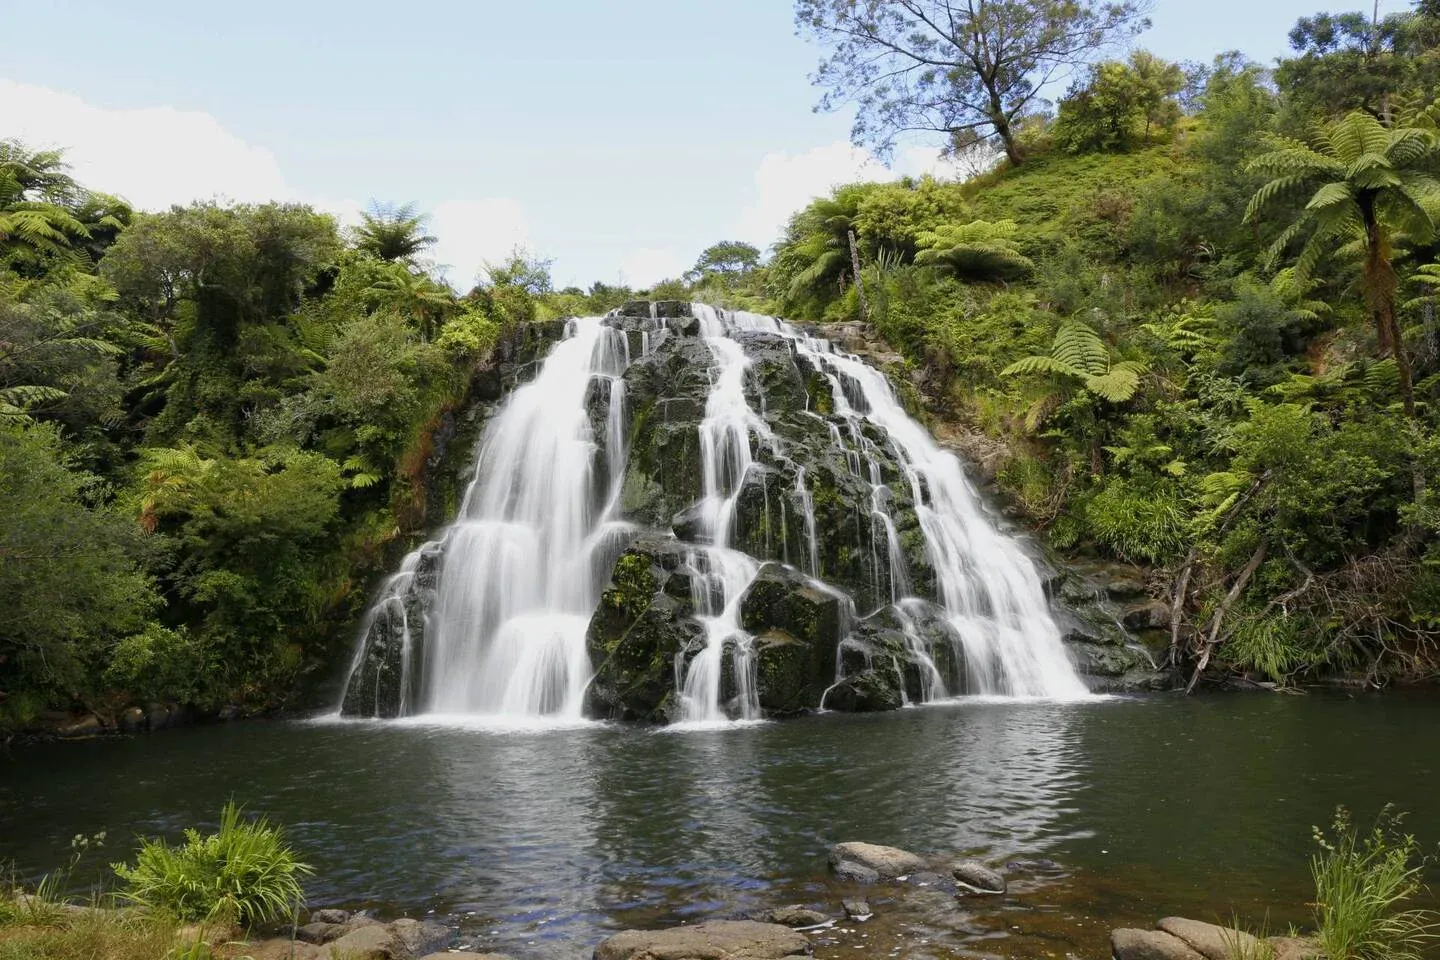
column 1366, row 886
column 245, row 873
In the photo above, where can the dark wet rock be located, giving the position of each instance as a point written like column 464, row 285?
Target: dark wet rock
column 1146, row 615
column 848, row 872
column 378, row 687
column 1150, row 945
column 641, row 625
column 132, row 719
column 84, row 727
column 712, row 940
column 797, row 627
column 464, row 955
column 320, row 932
column 866, row 692
column 857, row 909
column 329, row 915
column 888, row 862
column 1211, row 941
column 665, row 396
column 978, row 878
column 795, row 915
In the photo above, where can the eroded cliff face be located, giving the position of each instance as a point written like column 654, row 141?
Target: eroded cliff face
column 840, row 607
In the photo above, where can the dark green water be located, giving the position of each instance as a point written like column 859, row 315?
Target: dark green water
column 1153, row 805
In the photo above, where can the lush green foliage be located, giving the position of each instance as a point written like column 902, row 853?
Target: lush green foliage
column 1366, row 887
column 214, row 423
column 1208, row 341
column 244, row 873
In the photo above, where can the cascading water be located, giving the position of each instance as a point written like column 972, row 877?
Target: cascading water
column 517, row 583
column 989, row 587
column 492, row 619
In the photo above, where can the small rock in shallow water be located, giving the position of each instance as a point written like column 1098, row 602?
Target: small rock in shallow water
column 329, row 915
column 978, row 878
column 794, row 915
column 464, row 955
column 857, row 909
column 1149, row 945
column 712, row 940
column 1213, row 942
column 855, row 873
column 888, row 862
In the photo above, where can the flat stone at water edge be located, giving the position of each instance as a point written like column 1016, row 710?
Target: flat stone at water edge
column 1150, row 945
column 712, row 940
column 1214, row 942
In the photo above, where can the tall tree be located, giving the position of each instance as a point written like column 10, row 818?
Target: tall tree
column 728, row 258
column 967, row 69
column 1359, row 60
column 1366, row 182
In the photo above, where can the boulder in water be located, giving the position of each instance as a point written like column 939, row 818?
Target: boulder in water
column 1126, row 944
column 797, row 626
column 857, row 910
column 978, row 878
column 866, row 692
column 638, row 629
column 712, row 940
column 888, row 862
column 794, row 915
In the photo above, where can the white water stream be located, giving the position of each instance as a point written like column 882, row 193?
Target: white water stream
column 524, row 564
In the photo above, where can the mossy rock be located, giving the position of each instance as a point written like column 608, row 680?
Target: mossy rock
column 642, row 624
column 867, row 692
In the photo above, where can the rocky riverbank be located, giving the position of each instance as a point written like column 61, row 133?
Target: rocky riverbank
column 881, row 900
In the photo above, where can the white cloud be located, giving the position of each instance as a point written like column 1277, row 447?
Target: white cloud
column 640, row 268
column 151, row 156
column 472, row 233
column 785, row 182
column 158, row 156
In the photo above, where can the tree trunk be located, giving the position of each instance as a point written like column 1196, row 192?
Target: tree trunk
column 859, row 282
column 1380, row 286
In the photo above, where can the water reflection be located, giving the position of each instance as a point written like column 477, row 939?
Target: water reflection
column 543, row 839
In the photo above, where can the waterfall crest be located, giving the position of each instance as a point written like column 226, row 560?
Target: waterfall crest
column 498, row 617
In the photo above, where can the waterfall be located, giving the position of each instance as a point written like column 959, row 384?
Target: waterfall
column 726, row 459
column 491, row 619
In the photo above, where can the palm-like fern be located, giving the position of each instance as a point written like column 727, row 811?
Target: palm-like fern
column 974, row 251
column 1078, row 356
column 393, row 233
column 37, row 203
column 1367, row 183
column 815, row 259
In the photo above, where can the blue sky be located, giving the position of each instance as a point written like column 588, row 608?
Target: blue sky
column 618, row 139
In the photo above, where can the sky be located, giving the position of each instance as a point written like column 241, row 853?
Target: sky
column 616, row 139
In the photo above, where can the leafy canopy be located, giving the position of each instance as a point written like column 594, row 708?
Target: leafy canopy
column 969, row 70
